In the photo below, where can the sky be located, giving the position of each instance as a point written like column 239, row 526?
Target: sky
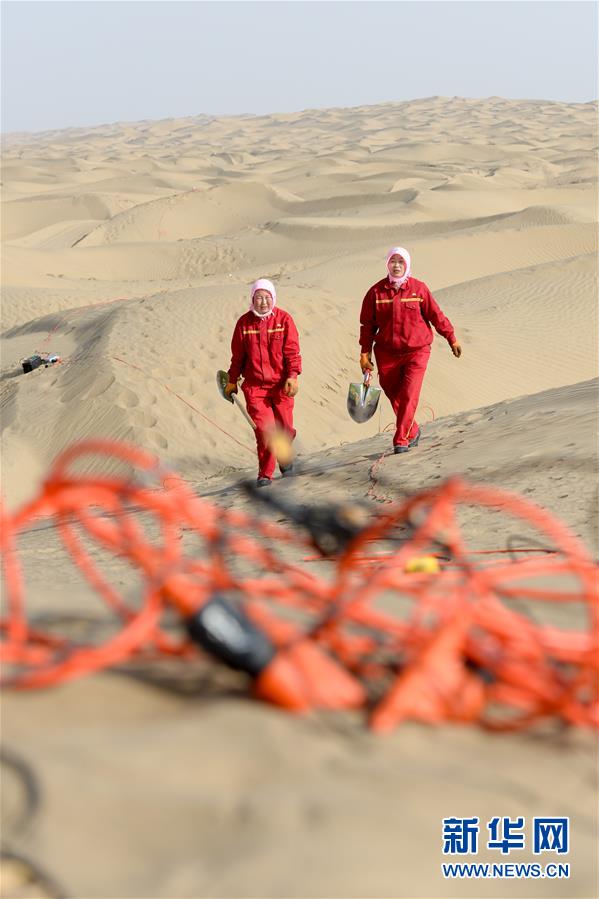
column 93, row 62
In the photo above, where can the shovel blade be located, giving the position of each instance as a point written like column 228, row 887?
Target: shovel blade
column 362, row 401
column 222, row 379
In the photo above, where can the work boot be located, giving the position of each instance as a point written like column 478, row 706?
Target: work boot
column 263, row 482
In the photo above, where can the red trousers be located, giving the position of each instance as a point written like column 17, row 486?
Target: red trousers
column 269, row 408
column 401, row 376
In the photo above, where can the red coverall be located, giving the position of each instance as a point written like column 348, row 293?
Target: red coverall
column 266, row 352
column 398, row 321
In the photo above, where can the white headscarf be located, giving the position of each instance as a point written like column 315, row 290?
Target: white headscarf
column 263, row 284
column 399, row 251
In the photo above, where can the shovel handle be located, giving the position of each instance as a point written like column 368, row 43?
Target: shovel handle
column 243, row 410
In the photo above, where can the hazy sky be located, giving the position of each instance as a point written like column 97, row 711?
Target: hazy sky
column 86, row 62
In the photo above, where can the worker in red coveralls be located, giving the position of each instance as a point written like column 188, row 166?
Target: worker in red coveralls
column 265, row 350
column 396, row 318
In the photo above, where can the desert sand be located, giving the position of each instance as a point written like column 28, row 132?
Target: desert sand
column 128, row 250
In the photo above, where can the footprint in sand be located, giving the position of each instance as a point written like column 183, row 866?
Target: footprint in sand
column 158, row 440
column 143, row 418
column 127, row 399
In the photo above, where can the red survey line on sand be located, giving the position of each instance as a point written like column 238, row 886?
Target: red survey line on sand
column 82, row 309
column 183, row 400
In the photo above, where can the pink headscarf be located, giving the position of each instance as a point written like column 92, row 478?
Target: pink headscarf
column 399, row 251
column 263, row 284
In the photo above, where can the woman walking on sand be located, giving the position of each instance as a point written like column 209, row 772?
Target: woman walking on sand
column 265, row 350
column 397, row 318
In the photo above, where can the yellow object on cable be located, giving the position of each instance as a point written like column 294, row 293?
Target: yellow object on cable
column 422, row 565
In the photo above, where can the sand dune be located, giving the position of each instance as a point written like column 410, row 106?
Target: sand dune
column 139, row 362
column 191, row 214
column 128, row 249
column 20, row 217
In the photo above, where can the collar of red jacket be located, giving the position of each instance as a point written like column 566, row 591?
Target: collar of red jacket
column 392, row 289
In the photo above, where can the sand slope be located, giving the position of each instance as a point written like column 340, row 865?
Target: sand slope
column 189, row 789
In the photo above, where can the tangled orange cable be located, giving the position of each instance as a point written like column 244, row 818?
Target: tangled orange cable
column 491, row 644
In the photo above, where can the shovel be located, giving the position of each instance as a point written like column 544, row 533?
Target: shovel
column 222, row 379
column 362, row 399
